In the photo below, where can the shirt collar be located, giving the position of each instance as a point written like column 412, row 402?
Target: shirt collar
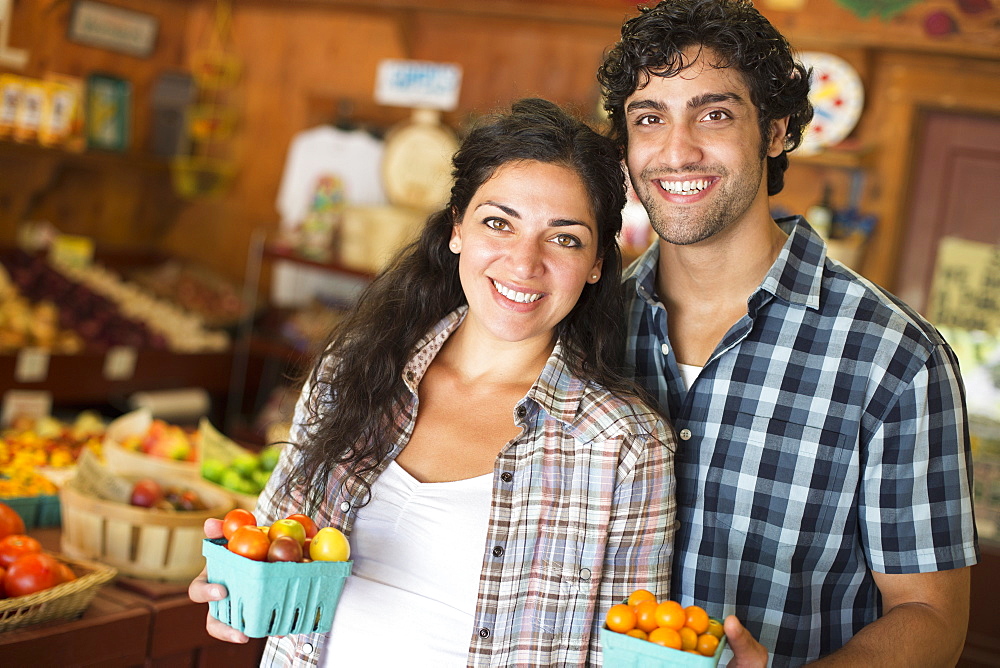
column 556, row 390
column 796, row 275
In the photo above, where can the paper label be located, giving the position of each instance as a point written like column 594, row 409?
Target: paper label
column 418, row 83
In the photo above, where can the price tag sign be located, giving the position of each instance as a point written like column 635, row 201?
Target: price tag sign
column 119, row 363
column 32, row 365
column 418, row 83
column 34, row 404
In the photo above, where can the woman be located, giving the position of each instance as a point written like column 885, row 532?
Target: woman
column 468, row 428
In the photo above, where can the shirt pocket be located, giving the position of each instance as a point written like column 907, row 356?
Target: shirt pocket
column 783, row 484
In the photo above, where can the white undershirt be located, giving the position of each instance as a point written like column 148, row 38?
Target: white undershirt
column 418, row 554
column 688, row 373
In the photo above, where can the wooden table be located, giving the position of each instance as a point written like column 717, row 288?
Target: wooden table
column 130, row 622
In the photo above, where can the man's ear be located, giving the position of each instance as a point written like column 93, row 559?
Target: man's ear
column 777, row 144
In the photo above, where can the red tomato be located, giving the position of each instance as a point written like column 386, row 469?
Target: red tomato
column 249, row 542
column 3, row 594
column 236, row 518
column 10, row 521
column 31, row 573
column 66, row 573
column 306, row 522
column 14, row 546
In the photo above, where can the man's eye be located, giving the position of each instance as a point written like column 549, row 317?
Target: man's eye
column 716, row 115
column 647, row 120
column 567, row 240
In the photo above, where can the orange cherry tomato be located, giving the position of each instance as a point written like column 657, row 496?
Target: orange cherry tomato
column 249, row 542
column 307, row 523
column 236, row 518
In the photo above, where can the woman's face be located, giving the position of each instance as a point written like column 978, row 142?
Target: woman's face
column 527, row 245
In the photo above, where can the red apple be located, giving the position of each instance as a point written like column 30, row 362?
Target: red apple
column 146, row 493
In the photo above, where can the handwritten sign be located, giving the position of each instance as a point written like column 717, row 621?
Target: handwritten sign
column 418, row 83
column 965, row 292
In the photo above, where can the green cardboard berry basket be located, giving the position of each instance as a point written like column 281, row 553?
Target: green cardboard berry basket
column 274, row 598
column 37, row 511
column 622, row 651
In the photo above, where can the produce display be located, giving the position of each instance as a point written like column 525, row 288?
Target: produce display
column 196, row 289
column 32, row 324
column 667, row 624
column 150, row 493
column 34, row 451
column 164, row 440
column 104, row 310
column 24, row 567
column 245, row 473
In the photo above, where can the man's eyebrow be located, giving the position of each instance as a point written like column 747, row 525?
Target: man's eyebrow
column 714, row 98
column 644, row 104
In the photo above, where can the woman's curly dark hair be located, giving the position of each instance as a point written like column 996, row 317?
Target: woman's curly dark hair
column 356, row 383
column 653, row 44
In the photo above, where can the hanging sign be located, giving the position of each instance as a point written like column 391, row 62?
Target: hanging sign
column 418, row 83
column 965, row 292
column 114, row 28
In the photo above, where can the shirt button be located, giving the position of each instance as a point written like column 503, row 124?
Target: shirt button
column 307, row 648
column 585, row 574
column 685, row 434
column 345, row 506
column 506, row 476
column 497, row 551
column 521, row 411
column 484, row 633
column 665, row 349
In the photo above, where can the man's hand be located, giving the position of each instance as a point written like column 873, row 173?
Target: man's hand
column 747, row 652
column 202, row 591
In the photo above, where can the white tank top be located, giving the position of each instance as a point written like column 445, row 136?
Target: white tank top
column 418, row 553
column 688, row 374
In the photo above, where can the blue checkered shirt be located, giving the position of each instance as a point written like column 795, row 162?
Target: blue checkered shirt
column 825, row 437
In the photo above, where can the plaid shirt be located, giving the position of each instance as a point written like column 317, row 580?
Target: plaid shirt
column 825, row 437
column 583, row 513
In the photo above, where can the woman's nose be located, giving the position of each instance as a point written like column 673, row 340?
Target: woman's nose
column 526, row 257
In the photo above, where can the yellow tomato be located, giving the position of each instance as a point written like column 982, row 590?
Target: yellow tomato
column 329, row 544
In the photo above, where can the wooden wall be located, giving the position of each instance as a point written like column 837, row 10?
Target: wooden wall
column 304, row 60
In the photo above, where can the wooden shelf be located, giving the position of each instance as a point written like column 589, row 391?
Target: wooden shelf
column 277, row 252
column 89, row 158
column 80, row 379
column 843, row 156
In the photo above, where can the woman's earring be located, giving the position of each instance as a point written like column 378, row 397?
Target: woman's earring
column 454, row 246
column 594, row 277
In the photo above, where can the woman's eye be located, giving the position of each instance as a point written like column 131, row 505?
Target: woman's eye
column 496, row 224
column 567, row 240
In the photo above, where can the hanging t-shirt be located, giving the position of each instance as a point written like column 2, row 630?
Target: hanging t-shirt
column 325, row 166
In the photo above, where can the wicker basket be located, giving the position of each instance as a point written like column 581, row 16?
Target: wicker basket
column 65, row 601
column 143, row 543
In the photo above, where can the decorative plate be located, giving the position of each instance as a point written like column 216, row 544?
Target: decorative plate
column 837, row 96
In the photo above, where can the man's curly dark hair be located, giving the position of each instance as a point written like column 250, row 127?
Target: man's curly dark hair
column 653, row 44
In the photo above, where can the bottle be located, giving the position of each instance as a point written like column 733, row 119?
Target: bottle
column 820, row 216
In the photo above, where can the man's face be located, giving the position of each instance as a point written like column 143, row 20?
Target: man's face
column 694, row 152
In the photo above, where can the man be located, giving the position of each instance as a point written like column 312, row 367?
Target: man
column 824, row 470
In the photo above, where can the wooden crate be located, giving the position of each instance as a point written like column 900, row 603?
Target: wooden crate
column 139, row 542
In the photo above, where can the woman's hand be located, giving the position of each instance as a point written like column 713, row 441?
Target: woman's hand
column 202, row 591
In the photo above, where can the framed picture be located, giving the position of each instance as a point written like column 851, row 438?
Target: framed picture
column 114, row 28
column 108, row 113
